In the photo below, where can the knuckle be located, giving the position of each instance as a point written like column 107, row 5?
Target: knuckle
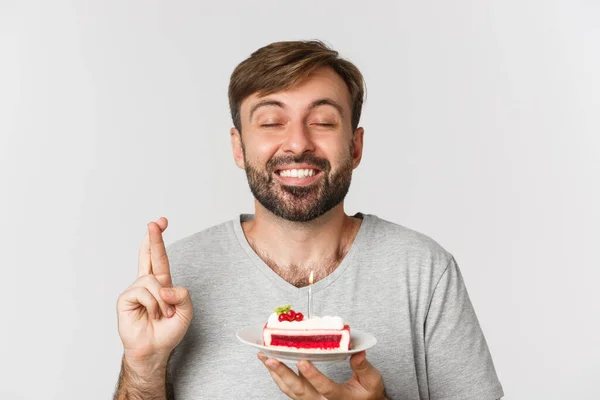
column 163, row 258
column 120, row 299
column 300, row 391
column 328, row 392
column 127, row 292
column 147, row 280
column 123, row 297
column 184, row 292
column 377, row 374
column 328, row 389
column 140, row 281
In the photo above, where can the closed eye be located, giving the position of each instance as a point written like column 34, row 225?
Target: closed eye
column 323, row 124
column 270, row 125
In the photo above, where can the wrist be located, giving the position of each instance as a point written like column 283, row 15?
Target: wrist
column 147, row 371
column 142, row 379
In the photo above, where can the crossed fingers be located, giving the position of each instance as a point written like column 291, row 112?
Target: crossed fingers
column 153, row 258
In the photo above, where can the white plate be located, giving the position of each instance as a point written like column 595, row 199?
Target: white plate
column 359, row 341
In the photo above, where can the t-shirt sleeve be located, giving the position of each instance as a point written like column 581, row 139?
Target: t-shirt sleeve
column 459, row 364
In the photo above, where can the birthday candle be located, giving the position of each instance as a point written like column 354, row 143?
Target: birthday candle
column 310, row 282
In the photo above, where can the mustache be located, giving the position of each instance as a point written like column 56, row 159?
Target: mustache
column 274, row 163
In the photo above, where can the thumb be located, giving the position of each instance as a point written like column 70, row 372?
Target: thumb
column 359, row 363
column 180, row 298
column 365, row 372
column 361, row 367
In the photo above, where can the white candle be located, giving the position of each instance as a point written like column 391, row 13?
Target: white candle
column 310, row 305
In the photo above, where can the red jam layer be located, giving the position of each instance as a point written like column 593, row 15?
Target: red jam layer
column 307, row 342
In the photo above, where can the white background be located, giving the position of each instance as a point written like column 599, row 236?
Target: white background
column 482, row 131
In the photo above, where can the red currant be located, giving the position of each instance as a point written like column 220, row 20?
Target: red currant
column 299, row 316
column 292, row 315
column 282, row 317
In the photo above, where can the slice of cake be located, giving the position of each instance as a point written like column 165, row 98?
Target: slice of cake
column 288, row 329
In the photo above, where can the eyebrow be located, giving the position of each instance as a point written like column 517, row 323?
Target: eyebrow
column 314, row 104
column 265, row 103
column 327, row 102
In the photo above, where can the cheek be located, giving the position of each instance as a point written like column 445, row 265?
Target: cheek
column 336, row 150
column 260, row 151
column 266, row 149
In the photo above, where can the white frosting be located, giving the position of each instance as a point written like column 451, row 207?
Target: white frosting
column 326, row 322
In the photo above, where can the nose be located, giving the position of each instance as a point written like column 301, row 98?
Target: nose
column 298, row 139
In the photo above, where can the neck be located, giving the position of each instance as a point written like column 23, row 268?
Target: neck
column 293, row 249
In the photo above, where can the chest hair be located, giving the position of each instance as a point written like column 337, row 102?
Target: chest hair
column 297, row 275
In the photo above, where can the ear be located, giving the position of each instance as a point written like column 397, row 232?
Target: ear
column 357, row 141
column 236, row 147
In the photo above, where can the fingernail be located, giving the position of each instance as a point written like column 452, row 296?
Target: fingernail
column 170, row 311
column 302, row 366
column 271, row 364
column 168, row 292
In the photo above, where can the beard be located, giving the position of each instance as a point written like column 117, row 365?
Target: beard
column 299, row 203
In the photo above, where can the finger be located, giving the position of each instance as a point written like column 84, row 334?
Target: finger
column 150, row 283
column 144, row 264
column 158, row 256
column 133, row 297
column 320, row 382
column 278, row 381
column 281, row 385
column 179, row 298
column 367, row 375
column 296, row 384
column 163, row 223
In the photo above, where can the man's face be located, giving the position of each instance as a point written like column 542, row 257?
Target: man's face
column 298, row 148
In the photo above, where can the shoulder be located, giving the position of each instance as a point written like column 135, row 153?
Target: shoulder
column 400, row 242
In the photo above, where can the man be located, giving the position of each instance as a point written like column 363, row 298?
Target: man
column 296, row 108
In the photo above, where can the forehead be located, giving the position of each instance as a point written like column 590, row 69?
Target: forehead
column 323, row 83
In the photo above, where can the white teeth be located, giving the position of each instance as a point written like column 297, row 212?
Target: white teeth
column 297, row 173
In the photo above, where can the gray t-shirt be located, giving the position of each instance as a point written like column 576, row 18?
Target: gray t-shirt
column 394, row 283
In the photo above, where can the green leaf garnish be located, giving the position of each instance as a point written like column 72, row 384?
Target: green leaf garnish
column 283, row 310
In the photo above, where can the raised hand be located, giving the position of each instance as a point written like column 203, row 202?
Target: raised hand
column 310, row 383
column 153, row 315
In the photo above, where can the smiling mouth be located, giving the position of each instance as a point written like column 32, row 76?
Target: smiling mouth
column 298, row 173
